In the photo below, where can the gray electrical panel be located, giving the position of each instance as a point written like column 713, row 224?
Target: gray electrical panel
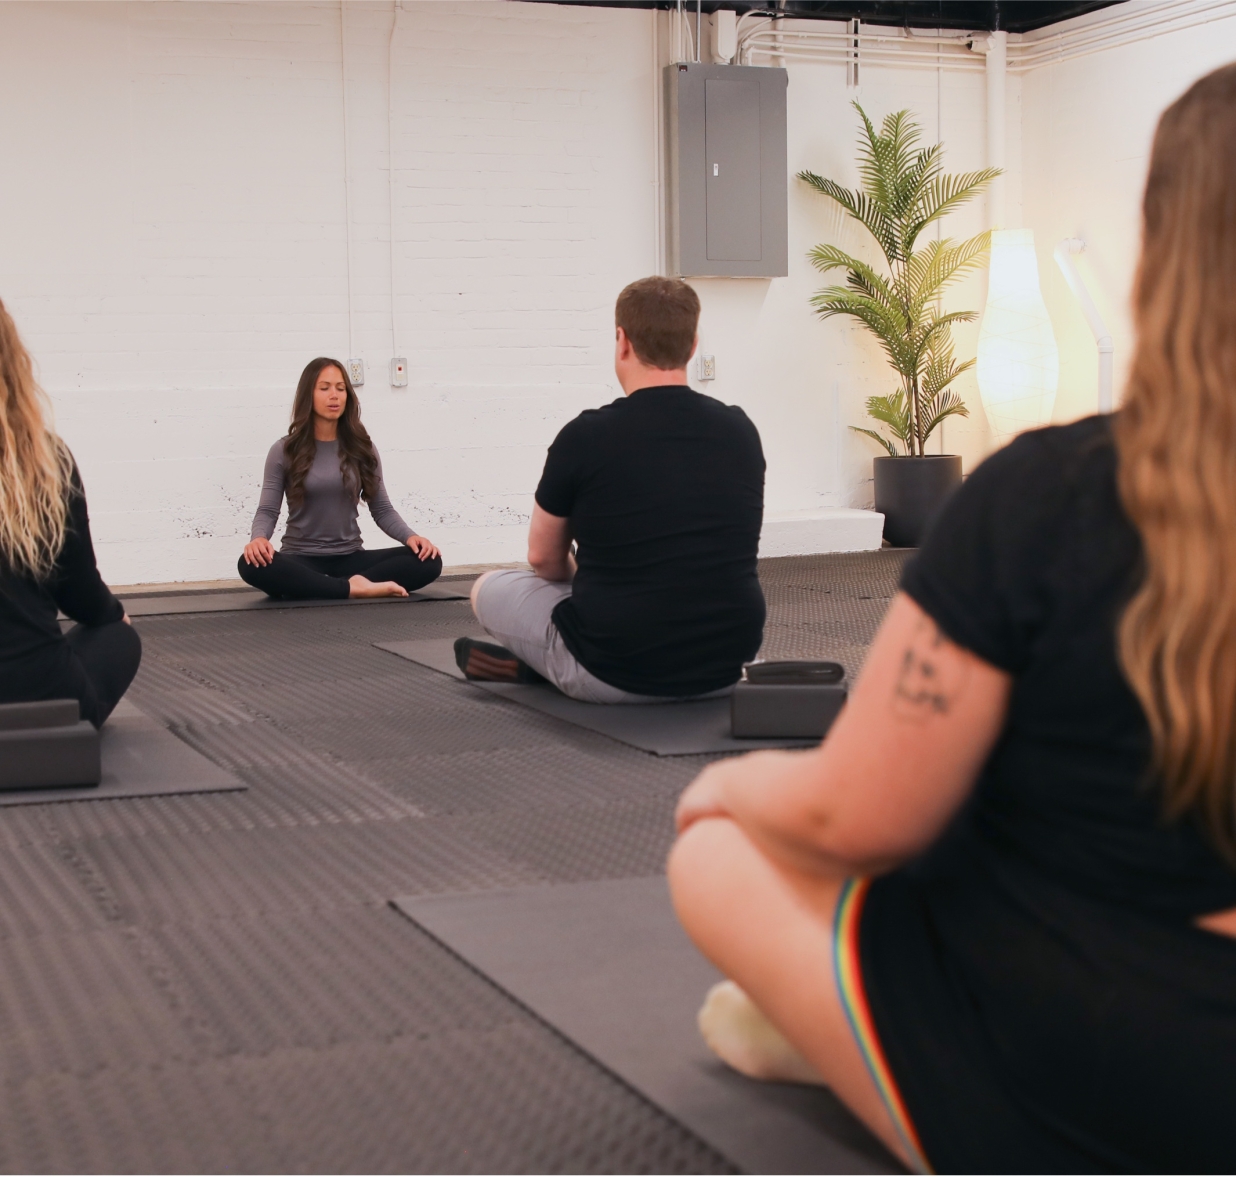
column 726, row 171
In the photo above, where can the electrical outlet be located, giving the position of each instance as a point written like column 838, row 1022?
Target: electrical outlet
column 356, row 372
column 399, row 372
column 708, row 367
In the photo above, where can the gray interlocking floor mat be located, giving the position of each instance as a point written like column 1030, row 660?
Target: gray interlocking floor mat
column 141, row 758
column 216, row 982
column 690, row 728
column 607, row 964
column 238, row 600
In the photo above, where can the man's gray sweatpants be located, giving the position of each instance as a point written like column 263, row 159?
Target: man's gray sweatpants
column 516, row 607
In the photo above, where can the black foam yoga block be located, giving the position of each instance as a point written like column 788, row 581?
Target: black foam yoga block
column 46, row 745
column 784, row 710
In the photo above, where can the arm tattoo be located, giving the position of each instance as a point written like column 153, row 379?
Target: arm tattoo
column 930, row 678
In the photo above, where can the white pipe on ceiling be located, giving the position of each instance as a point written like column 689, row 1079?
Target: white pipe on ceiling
column 1124, row 26
column 1137, row 24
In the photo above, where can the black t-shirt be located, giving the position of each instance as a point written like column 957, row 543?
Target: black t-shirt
column 34, row 656
column 1030, row 567
column 1038, row 985
column 664, row 490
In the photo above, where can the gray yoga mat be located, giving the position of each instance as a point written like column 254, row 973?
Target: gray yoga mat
column 666, row 729
column 235, row 600
column 141, row 758
column 608, row 966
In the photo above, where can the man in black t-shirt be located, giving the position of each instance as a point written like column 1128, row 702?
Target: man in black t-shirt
column 662, row 492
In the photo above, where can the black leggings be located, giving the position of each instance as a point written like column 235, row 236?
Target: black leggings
column 306, row 578
column 106, row 658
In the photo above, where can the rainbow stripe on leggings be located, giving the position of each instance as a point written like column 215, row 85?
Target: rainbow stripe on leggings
column 849, row 975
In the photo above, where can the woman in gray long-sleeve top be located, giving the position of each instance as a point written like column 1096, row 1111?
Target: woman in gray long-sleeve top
column 324, row 467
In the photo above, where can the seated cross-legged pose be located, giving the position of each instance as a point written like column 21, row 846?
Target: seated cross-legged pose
column 325, row 466
column 996, row 910
column 47, row 562
column 662, row 492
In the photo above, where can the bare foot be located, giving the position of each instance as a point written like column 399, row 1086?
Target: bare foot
column 360, row 586
column 740, row 1035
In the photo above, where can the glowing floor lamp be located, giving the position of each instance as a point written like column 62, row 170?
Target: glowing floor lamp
column 1018, row 364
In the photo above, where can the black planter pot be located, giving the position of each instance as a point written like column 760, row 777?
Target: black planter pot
column 910, row 493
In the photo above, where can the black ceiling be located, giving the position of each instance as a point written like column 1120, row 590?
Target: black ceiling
column 1017, row 16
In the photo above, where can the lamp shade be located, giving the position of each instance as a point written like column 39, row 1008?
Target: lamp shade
column 1018, row 364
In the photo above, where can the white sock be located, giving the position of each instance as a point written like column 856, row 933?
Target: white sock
column 739, row 1034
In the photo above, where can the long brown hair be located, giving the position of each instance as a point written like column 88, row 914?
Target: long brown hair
column 1176, row 440
column 358, row 461
column 34, row 465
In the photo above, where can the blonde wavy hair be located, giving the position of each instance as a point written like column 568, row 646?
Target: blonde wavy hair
column 1176, row 441
column 34, row 465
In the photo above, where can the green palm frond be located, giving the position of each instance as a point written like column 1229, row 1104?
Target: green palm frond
column 830, row 257
column 940, row 367
column 860, row 206
column 885, row 157
column 919, row 176
column 903, row 189
column 935, row 267
column 939, row 408
column 939, row 373
column 885, row 323
column 934, row 327
column 861, row 278
column 888, row 445
column 944, row 195
column 893, row 411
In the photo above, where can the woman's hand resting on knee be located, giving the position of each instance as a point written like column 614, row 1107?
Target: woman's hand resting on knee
column 259, row 552
column 422, row 547
column 706, row 795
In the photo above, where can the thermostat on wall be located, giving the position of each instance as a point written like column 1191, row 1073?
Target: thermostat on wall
column 356, row 372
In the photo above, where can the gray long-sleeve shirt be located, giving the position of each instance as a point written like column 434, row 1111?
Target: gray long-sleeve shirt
column 325, row 522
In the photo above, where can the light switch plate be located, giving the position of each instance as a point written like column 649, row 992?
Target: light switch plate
column 708, row 367
column 399, row 372
column 356, row 372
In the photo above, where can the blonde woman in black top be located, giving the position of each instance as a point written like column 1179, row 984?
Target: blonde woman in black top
column 996, row 910
column 47, row 561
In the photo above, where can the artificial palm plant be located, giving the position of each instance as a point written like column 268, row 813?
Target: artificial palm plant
column 903, row 191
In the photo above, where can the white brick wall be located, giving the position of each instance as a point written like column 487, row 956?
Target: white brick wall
column 175, row 248
column 173, row 244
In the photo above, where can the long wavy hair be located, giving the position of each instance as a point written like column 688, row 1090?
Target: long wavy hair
column 358, row 461
column 35, row 466
column 1176, row 441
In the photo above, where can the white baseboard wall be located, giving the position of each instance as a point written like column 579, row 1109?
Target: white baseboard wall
column 824, row 529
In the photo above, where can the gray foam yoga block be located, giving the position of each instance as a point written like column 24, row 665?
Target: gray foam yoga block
column 46, row 745
column 784, row 710
column 44, row 713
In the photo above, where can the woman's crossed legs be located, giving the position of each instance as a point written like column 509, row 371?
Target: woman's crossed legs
column 105, row 662
column 770, row 930
column 300, row 577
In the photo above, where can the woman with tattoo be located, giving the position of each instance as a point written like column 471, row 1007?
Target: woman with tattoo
column 996, row 910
